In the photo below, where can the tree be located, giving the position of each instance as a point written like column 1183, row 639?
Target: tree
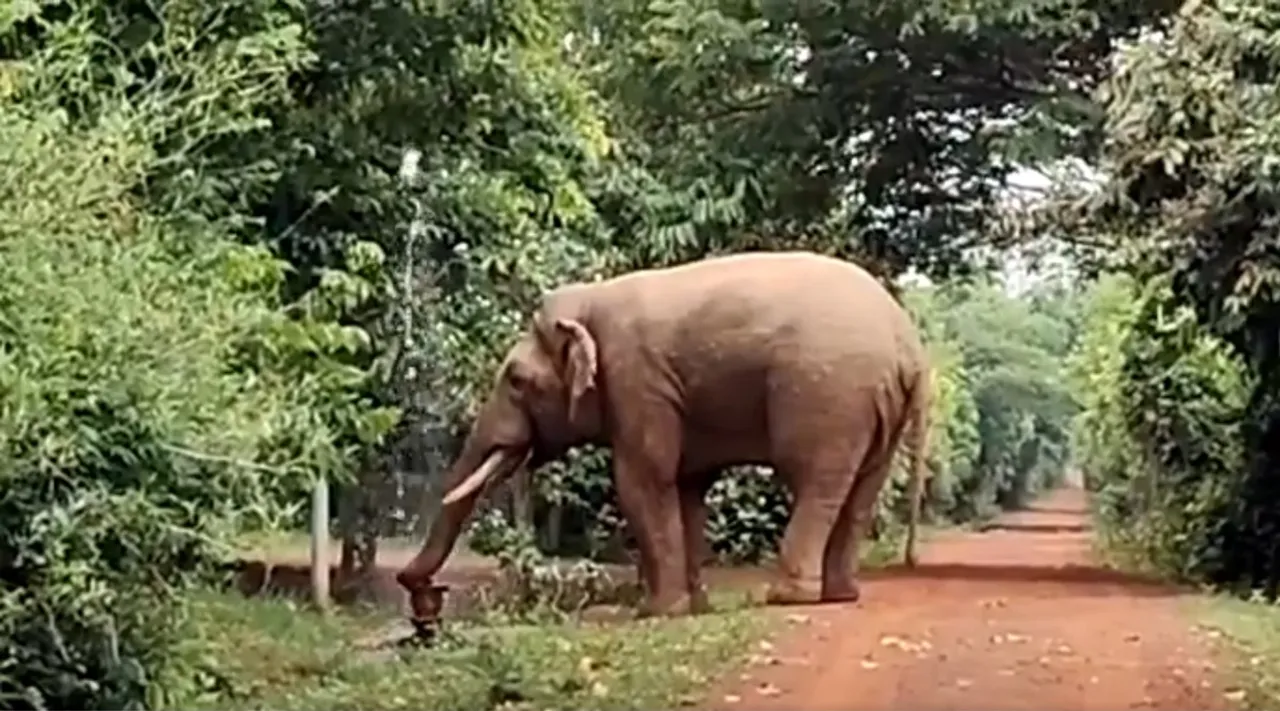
column 155, row 393
column 1190, row 150
column 879, row 130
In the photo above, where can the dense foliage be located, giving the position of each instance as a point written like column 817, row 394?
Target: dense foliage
column 154, row 396
column 1181, row 423
column 1002, row 409
column 1159, row 433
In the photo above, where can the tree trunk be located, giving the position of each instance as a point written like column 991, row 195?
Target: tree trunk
column 522, row 499
column 555, row 529
column 360, row 519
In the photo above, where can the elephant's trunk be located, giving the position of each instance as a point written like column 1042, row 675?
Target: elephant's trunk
column 476, row 465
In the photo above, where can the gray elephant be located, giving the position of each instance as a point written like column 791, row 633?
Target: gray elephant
column 789, row 359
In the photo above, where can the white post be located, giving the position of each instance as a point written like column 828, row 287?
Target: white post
column 320, row 557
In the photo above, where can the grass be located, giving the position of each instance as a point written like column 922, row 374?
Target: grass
column 1251, row 632
column 260, row 653
column 271, row 653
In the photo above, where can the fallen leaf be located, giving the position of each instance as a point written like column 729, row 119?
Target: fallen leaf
column 1234, row 695
column 798, row 619
column 1005, row 672
column 765, row 645
column 963, row 683
column 598, row 690
column 768, row 690
column 1132, row 637
column 732, row 699
column 869, row 664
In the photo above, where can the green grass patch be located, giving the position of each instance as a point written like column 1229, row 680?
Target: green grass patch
column 271, row 653
column 1250, row 631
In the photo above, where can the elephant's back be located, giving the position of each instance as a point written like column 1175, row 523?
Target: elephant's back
column 788, row 283
column 783, row 300
column 753, row 317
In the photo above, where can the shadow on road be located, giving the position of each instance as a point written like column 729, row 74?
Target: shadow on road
column 1036, row 527
column 1077, row 580
column 1057, row 510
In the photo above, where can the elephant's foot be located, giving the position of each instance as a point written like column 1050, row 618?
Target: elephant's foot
column 666, row 606
column 842, row 591
column 790, row 591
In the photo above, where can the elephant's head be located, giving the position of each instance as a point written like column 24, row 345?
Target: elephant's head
column 543, row 401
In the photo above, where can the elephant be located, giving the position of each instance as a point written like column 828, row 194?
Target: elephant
column 793, row 360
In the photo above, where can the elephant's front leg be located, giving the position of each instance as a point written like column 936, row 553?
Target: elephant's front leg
column 650, row 501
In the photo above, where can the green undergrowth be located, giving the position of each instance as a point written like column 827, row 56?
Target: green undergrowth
column 272, row 653
column 1249, row 632
column 514, row 652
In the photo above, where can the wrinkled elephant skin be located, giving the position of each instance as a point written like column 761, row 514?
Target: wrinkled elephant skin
column 793, row 360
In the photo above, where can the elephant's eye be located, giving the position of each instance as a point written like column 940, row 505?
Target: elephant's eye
column 518, row 379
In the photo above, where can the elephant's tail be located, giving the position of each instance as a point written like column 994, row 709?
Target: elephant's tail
column 917, row 440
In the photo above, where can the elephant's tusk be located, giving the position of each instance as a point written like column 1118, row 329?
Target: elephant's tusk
column 479, row 477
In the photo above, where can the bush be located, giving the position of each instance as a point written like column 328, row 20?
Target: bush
column 152, row 397
column 747, row 511
column 1159, row 436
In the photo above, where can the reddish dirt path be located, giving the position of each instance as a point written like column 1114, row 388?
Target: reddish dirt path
column 1017, row 617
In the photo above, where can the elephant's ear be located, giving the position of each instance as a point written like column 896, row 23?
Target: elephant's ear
column 579, row 363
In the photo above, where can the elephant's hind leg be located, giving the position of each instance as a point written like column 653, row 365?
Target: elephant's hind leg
column 840, row 560
column 821, row 477
column 693, row 515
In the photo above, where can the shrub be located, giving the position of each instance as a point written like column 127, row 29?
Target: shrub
column 153, row 396
column 1160, row 432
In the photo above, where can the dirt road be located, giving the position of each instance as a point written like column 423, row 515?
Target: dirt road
column 1016, row 617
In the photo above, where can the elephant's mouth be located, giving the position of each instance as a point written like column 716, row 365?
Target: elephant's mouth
column 540, row 454
column 499, row 463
